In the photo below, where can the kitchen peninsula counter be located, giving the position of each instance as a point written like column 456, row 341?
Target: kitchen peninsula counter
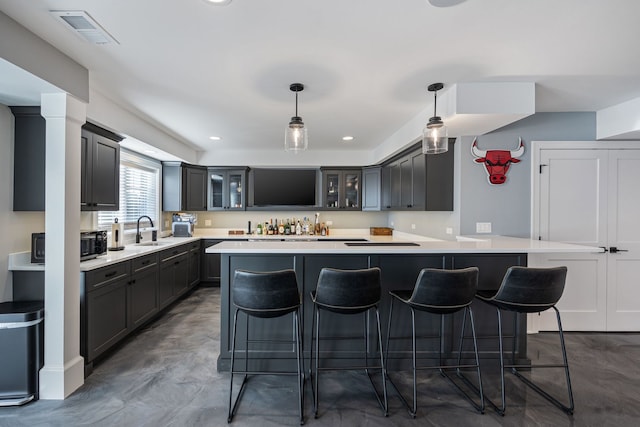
column 400, row 259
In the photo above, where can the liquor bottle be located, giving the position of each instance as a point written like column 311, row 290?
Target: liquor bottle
column 281, row 228
column 259, row 229
column 287, row 228
column 298, row 228
column 323, row 229
column 316, row 227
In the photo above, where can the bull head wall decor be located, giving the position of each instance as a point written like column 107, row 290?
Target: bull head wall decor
column 497, row 162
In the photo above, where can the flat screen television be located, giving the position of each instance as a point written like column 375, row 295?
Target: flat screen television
column 283, row 187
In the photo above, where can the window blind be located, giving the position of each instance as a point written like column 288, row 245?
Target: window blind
column 139, row 191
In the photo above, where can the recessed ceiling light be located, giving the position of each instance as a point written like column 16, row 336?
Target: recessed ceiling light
column 215, row 138
column 348, row 138
column 218, row 2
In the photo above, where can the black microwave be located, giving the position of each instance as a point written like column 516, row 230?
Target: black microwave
column 92, row 244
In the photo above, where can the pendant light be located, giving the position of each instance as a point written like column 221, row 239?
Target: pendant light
column 434, row 136
column 295, row 137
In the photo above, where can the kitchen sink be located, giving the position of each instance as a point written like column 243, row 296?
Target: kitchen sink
column 151, row 244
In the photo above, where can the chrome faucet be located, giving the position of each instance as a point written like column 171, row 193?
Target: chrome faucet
column 138, row 235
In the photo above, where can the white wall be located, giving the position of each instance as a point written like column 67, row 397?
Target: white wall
column 15, row 227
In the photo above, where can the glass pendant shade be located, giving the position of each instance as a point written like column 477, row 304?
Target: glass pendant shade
column 295, row 137
column 435, row 139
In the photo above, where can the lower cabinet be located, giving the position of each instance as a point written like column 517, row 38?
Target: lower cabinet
column 104, row 311
column 174, row 271
column 194, row 263
column 118, row 299
column 143, row 290
column 210, row 263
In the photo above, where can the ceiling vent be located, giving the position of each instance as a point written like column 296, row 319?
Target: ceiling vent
column 81, row 23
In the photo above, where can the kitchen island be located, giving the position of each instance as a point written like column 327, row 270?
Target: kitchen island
column 400, row 259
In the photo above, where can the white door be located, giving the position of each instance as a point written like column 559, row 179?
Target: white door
column 572, row 207
column 591, row 195
column 623, row 268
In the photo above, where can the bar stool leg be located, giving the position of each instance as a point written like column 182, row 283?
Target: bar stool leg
column 383, row 371
column 234, row 404
column 568, row 409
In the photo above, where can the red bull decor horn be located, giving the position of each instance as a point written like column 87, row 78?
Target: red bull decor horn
column 497, row 162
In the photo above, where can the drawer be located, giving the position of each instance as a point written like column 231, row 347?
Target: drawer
column 105, row 275
column 144, row 262
column 169, row 254
column 194, row 246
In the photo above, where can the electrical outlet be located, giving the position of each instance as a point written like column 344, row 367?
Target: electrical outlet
column 483, row 227
column 391, row 225
column 449, row 230
column 413, row 226
column 207, row 223
column 329, row 223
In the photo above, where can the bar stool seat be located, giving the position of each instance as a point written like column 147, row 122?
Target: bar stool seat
column 529, row 290
column 441, row 292
column 266, row 295
column 347, row 292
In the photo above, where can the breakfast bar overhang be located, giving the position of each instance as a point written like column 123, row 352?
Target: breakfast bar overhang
column 400, row 260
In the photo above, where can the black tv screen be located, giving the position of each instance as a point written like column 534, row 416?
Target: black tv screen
column 284, row 187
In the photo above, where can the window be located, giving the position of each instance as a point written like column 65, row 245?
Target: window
column 139, row 191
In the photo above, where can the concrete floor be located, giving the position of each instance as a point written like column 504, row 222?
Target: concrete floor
column 166, row 376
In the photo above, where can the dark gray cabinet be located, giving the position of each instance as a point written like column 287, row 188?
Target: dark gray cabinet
column 415, row 181
column 341, row 188
column 100, row 170
column 100, row 164
column 104, row 309
column 143, row 290
column 174, row 274
column 227, row 188
column 194, row 264
column 28, row 159
column 184, row 187
column 210, row 263
column 371, row 188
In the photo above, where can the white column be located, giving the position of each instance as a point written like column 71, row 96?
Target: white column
column 63, row 370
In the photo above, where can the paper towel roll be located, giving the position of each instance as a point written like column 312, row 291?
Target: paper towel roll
column 117, row 234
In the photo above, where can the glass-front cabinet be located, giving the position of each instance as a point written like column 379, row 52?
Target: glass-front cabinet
column 227, row 189
column 341, row 189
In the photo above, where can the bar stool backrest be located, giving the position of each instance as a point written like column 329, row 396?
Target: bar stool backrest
column 531, row 290
column 444, row 291
column 348, row 290
column 266, row 294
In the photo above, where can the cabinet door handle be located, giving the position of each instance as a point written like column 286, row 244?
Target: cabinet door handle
column 146, row 262
column 614, row 250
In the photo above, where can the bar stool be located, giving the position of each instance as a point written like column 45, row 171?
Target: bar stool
column 441, row 292
column 529, row 290
column 347, row 292
column 266, row 295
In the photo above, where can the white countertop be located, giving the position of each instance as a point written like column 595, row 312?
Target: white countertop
column 21, row 261
column 460, row 244
column 243, row 243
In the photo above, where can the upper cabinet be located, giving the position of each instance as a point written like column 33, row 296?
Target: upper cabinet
column 227, row 188
column 415, row 181
column 100, row 164
column 371, row 188
column 341, row 188
column 28, row 159
column 100, row 170
column 184, row 187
